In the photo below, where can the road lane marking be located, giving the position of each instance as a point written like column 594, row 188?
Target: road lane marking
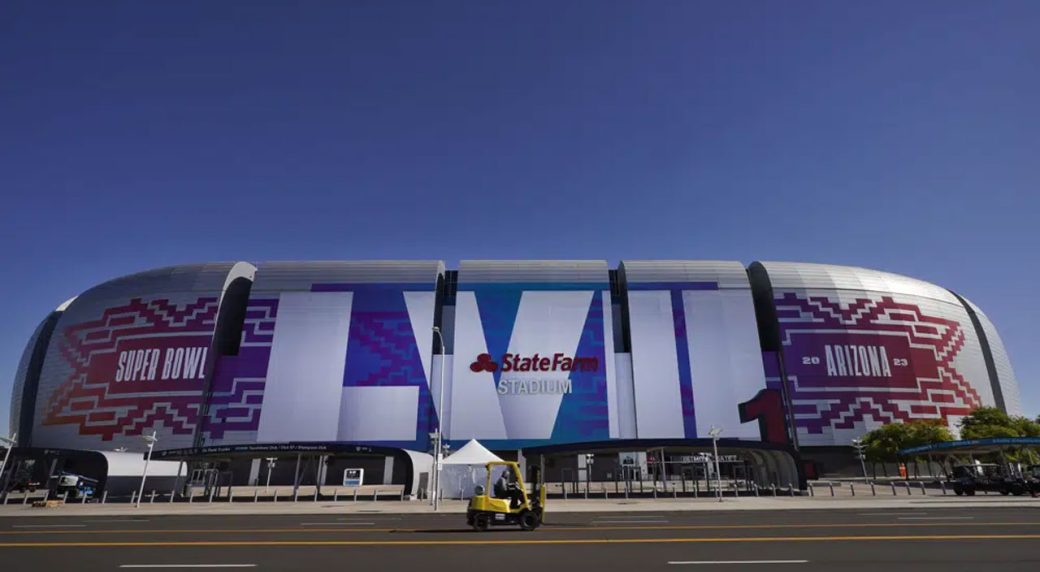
column 549, row 527
column 337, row 524
column 935, row 518
column 629, row 522
column 712, row 562
column 498, row 542
column 120, row 520
column 48, row 526
column 187, row 565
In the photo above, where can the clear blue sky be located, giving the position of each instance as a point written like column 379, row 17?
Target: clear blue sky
column 902, row 136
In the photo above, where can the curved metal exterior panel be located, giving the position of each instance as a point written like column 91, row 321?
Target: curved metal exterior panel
column 20, row 378
column 130, row 355
column 722, row 273
column 545, row 271
column 1001, row 362
column 696, row 358
column 862, row 348
column 331, row 351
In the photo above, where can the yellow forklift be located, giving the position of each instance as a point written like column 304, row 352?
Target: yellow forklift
column 504, row 501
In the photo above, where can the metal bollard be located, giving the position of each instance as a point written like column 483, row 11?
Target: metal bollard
column 831, row 485
column 942, row 486
column 275, row 499
column 675, row 493
column 355, row 495
column 923, row 492
column 908, row 492
column 335, row 496
column 586, row 491
column 191, row 495
column 83, row 500
column 893, row 487
column 402, row 495
column 133, row 496
column 230, row 495
column 256, row 495
column 173, row 495
column 772, row 488
column 565, row 492
column 65, row 497
column 315, row 494
column 852, row 488
column 756, row 489
column 655, row 490
column 296, row 495
column 873, row 492
column 812, row 489
column 790, row 489
column 104, row 497
column 212, row 492
column 151, row 499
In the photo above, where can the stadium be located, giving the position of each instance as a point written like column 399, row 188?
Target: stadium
column 594, row 372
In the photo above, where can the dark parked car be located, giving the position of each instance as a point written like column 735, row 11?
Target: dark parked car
column 1032, row 478
column 986, row 477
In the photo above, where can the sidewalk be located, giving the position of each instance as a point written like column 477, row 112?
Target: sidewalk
column 573, row 505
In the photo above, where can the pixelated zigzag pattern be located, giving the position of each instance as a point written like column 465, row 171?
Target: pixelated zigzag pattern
column 387, row 337
column 238, row 408
column 90, row 406
column 843, row 408
column 258, row 328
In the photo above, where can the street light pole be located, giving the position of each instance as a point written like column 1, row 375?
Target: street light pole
column 714, row 432
column 439, row 434
column 858, row 444
column 270, row 465
column 151, row 440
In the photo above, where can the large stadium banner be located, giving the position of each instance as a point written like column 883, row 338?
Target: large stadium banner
column 856, row 359
column 533, row 355
column 695, row 349
column 330, row 354
column 130, row 356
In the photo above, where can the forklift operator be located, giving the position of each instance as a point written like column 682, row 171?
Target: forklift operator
column 505, row 488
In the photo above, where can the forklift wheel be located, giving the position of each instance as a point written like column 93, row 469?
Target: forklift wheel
column 529, row 521
column 481, row 522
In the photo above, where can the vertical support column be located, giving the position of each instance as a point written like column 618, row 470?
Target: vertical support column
column 388, row 470
column 296, row 477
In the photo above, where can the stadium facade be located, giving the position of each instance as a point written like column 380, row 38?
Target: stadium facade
column 540, row 356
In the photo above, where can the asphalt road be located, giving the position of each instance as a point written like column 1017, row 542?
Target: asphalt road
column 941, row 539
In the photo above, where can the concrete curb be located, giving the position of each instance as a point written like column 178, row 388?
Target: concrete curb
column 558, row 506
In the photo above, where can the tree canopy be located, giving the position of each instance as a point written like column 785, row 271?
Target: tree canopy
column 987, row 422
column 883, row 444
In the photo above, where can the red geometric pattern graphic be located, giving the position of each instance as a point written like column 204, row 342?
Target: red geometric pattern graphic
column 92, row 399
column 917, row 380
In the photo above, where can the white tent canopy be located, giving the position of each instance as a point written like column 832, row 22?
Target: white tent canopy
column 472, row 453
column 464, row 469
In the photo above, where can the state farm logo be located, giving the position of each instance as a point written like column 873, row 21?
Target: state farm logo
column 483, row 363
column 536, row 362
